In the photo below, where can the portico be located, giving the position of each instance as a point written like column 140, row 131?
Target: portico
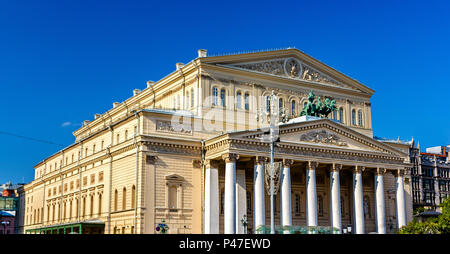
column 337, row 179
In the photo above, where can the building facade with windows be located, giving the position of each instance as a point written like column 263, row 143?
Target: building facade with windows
column 188, row 149
column 9, row 208
column 430, row 177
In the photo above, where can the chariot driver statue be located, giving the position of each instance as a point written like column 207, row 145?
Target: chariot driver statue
column 318, row 109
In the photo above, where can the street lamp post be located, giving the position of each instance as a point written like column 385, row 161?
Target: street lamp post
column 272, row 137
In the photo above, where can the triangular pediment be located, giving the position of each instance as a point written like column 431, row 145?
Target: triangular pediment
column 291, row 64
column 323, row 133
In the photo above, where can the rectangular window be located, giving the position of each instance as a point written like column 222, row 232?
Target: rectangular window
column 92, row 178
column 100, row 176
column 85, row 181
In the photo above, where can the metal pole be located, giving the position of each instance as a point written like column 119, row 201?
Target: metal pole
column 272, row 216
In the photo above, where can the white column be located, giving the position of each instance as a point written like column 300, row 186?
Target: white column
column 259, row 208
column 211, row 198
column 241, row 200
column 380, row 209
column 400, row 197
column 311, row 195
column 358, row 200
column 286, row 193
column 230, row 193
column 335, row 190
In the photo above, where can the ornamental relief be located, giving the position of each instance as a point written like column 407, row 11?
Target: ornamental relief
column 324, row 137
column 166, row 126
column 292, row 68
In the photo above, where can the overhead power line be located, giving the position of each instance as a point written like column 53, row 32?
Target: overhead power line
column 30, row 138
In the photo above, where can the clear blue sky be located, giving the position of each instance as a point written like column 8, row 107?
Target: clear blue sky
column 63, row 61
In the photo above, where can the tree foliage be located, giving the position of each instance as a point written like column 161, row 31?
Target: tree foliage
column 439, row 225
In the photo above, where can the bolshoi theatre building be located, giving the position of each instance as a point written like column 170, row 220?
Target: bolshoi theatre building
column 189, row 151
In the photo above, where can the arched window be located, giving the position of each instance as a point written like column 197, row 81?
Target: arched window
column 70, row 209
column 360, row 118
column 133, row 195
column 124, row 198
column 187, row 99
column 99, row 204
column 126, row 134
column 116, row 196
column 280, row 104
column 293, row 108
column 83, row 212
column 335, row 114
column 215, row 96
column 341, row 115
column 93, row 149
column 353, row 117
column 77, row 207
column 91, row 211
column 247, row 105
column 222, row 97
column 239, row 99
column 320, row 205
column 268, row 104
column 64, row 211
column 192, row 97
column 118, row 139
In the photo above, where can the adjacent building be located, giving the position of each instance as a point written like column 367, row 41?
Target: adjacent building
column 190, row 149
column 430, row 177
column 9, row 208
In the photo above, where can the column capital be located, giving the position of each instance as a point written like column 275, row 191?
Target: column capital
column 260, row 159
column 359, row 169
column 230, row 157
column 211, row 164
column 380, row 171
column 312, row 165
column 336, row 167
column 287, row 162
column 400, row 172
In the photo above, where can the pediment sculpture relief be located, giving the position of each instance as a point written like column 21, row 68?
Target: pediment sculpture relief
column 292, row 68
column 324, row 137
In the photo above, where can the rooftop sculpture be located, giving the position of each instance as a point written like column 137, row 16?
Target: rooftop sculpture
column 318, row 109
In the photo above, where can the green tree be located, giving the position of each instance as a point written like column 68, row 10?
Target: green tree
column 439, row 225
column 444, row 218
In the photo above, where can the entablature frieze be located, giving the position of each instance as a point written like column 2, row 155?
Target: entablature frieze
column 161, row 147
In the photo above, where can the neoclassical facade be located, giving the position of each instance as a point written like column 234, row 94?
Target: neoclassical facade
column 188, row 150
